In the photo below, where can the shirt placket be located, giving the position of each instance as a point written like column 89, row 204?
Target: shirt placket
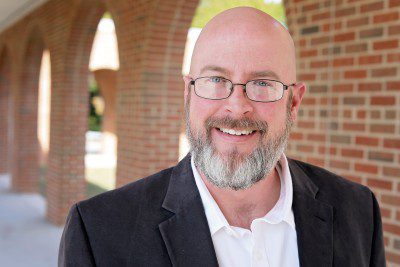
column 259, row 257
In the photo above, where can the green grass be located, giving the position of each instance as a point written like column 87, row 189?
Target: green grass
column 99, row 180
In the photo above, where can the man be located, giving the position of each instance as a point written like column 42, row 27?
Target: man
column 236, row 200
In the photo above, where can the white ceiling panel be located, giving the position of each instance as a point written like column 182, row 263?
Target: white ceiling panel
column 13, row 10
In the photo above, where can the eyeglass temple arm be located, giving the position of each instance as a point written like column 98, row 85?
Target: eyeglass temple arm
column 285, row 87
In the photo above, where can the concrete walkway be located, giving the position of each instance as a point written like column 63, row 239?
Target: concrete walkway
column 26, row 238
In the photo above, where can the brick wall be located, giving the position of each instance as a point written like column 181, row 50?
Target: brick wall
column 5, row 81
column 348, row 53
column 25, row 171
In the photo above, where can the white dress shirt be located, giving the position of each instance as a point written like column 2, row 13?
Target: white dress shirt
column 272, row 240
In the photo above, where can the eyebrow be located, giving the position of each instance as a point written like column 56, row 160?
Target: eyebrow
column 265, row 73
column 214, row 68
column 255, row 74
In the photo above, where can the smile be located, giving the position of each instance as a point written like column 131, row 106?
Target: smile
column 236, row 132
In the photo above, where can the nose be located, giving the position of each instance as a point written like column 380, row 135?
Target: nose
column 237, row 103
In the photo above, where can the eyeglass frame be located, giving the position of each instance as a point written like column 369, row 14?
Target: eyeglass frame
column 285, row 87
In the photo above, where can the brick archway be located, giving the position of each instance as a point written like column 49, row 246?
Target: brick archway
column 25, row 166
column 5, row 110
column 150, row 102
column 69, row 117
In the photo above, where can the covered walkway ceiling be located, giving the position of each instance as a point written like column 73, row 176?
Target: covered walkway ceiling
column 12, row 11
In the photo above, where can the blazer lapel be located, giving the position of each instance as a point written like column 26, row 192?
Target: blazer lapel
column 186, row 234
column 313, row 219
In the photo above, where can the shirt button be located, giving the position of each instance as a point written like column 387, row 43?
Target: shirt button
column 258, row 255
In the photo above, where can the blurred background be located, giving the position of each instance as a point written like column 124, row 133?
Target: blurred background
column 91, row 98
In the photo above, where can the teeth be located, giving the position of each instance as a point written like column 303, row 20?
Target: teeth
column 236, row 132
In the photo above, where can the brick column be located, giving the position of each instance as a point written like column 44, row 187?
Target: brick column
column 25, row 170
column 69, row 112
column 5, row 97
column 150, row 88
column 348, row 54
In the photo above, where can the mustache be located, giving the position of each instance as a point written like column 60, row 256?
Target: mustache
column 228, row 122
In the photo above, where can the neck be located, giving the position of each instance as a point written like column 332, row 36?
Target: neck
column 241, row 207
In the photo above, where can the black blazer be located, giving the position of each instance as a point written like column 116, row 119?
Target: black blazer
column 160, row 221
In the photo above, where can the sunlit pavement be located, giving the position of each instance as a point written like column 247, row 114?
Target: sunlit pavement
column 26, row 238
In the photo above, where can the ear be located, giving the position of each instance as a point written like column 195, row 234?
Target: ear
column 187, row 79
column 298, row 92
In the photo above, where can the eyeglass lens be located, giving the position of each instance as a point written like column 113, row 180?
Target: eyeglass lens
column 256, row 90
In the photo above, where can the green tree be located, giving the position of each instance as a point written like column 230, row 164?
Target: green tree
column 209, row 8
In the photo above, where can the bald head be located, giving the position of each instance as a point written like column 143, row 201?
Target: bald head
column 245, row 40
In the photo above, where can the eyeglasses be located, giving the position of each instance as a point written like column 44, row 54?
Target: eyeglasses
column 217, row 88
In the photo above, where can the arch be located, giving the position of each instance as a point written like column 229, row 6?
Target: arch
column 69, row 114
column 25, row 169
column 5, row 109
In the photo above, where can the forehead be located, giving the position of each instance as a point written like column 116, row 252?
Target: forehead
column 242, row 54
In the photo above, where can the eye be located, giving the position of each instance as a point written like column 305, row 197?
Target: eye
column 216, row 79
column 262, row 83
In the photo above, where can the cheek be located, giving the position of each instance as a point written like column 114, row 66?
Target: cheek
column 200, row 110
column 274, row 114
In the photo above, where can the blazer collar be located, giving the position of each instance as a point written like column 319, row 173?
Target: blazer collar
column 186, row 234
column 313, row 218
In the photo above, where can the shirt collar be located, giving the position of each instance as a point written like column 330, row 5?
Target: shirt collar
column 282, row 211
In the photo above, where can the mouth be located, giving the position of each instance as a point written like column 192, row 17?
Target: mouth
column 237, row 132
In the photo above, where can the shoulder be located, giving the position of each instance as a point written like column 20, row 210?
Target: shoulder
column 332, row 187
column 146, row 193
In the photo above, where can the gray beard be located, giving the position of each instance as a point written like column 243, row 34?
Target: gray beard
column 235, row 170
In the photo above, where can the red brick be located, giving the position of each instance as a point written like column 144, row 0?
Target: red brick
column 349, row 36
column 393, row 257
column 369, row 87
column 310, row 7
column 391, row 143
column 390, row 171
column 366, row 168
column 355, row 74
column 345, row 12
column 357, row 22
column 393, row 57
column 361, row 114
column 341, row 88
column 367, row 59
column 307, row 76
column 321, row 16
column 380, row 156
column 356, row 47
column 394, row 29
column 383, row 100
column 347, row 61
column 338, row 164
column 382, row 128
column 308, row 53
column 381, row 184
column 391, row 228
column 368, row 141
column 296, row 136
column 375, row 6
column 391, row 200
column 393, row 85
column 316, row 161
column 384, row 72
column 319, row 64
column 316, row 137
column 394, row 3
column 352, row 153
column 390, row 44
column 387, row 17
